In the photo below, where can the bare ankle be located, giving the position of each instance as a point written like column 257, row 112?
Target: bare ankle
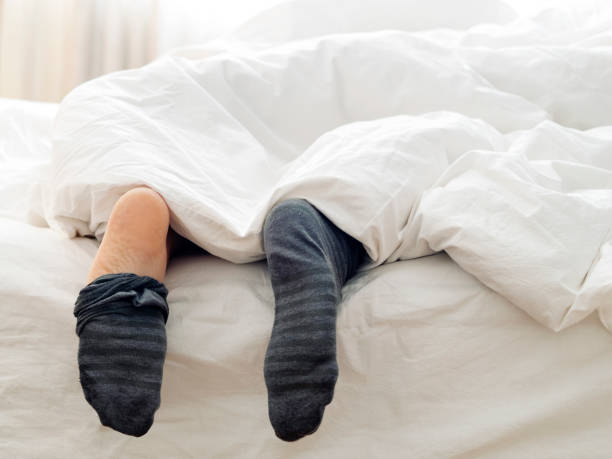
column 136, row 237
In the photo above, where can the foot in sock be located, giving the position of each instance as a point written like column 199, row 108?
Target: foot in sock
column 309, row 260
column 121, row 315
column 122, row 346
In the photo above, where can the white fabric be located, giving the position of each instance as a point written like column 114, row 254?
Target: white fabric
column 432, row 362
column 25, row 146
column 411, row 142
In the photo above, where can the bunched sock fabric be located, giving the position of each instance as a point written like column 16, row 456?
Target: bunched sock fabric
column 122, row 347
column 309, row 260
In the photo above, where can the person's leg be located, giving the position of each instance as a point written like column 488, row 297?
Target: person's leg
column 121, row 314
column 309, row 260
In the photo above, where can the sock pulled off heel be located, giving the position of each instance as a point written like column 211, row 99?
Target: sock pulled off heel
column 122, row 347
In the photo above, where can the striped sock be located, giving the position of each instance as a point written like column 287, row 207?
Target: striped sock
column 309, row 260
column 122, row 346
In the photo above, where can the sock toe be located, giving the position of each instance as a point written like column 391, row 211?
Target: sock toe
column 298, row 392
column 130, row 413
column 293, row 419
column 124, row 389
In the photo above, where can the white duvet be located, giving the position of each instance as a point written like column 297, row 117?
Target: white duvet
column 492, row 143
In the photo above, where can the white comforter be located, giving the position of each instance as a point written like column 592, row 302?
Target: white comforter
column 493, row 143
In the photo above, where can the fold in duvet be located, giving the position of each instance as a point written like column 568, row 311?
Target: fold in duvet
column 412, row 143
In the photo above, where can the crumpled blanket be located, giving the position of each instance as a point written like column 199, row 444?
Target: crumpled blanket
column 493, row 144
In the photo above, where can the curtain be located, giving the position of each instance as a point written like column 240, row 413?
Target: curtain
column 47, row 47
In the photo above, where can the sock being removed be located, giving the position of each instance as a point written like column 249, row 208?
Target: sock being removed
column 309, row 260
column 122, row 346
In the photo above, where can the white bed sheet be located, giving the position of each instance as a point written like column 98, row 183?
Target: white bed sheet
column 432, row 363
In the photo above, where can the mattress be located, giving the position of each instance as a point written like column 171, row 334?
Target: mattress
column 432, row 362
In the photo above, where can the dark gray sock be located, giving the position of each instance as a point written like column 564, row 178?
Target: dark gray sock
column 122, row 346
column 309, row 260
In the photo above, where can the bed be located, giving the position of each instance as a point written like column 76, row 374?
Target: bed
column 432, row 362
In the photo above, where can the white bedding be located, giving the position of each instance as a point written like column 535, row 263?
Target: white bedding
column 412, row 143
column 432, row 362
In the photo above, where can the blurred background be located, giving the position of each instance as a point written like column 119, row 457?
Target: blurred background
column 47, row 47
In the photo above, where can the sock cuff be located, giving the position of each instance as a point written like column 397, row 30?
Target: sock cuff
column 114, row 293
